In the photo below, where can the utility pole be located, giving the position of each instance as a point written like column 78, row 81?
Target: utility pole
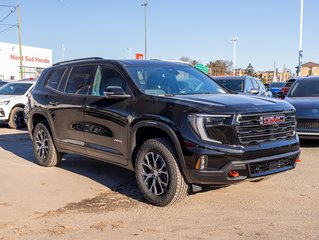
column 234, row 40
column 300, row 39
column 20, row 45
column 145, row 5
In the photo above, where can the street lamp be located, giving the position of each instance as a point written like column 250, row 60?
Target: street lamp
column 300, row 39
column 146, row 4
column 130, row 50
column 234, row 40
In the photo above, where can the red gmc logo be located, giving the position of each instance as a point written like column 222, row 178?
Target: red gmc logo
column 272, row 120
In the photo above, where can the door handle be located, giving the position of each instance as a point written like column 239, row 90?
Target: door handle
column 54, row 103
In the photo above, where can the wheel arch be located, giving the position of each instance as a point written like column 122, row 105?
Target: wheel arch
column 145, row 130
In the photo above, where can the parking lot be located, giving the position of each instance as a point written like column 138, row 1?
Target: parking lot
column 89, row 199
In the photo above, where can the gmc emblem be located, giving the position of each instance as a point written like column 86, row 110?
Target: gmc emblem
column 272, row 120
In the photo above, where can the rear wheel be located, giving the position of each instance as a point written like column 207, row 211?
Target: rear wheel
column 45, row 152
column 158, row 174
column 16, row 120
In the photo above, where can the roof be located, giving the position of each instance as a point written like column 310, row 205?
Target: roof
column 120, row 61
column 307, row 79
column 229, row 77
column 310, row 64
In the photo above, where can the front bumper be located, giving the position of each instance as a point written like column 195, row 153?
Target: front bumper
column 247, row 169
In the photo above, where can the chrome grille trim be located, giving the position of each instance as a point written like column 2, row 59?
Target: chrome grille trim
column 251, row 132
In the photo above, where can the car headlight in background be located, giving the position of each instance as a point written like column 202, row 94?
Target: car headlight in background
column 4, row 102
column 211, row 128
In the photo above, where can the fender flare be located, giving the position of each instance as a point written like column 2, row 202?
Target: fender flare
column 165, row 128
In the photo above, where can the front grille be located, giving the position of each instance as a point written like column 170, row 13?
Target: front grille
column 262, row 168
column 251, row 132
column 308, row 124
column 1, row 113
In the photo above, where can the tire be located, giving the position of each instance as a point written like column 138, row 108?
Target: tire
column 16, row 119
column 158, row 174
column 44, row 149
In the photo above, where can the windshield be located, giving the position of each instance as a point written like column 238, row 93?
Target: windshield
column 277, row 84
column 172, row 80
column 305, row 88
column 15, row 88
column 235, row 85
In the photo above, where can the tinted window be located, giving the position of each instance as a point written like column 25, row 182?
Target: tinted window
column 107, row 77
column 255, row 84
column 80, row 80
column 172, row 79
column 249, row 86
column 305, row 88
column 55, row 77
column 15, row 88
column 290, row 82
column 232, row 84
column 261, row 86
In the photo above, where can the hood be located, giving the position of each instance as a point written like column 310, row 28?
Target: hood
column 212, row 103
column 8, row 97
column 304, row 102
column 305, row 107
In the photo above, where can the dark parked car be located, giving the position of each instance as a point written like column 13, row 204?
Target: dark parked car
column 276, row 87
column 2, row 83
column 168, row 122
column 304, row 96
column 243, row 84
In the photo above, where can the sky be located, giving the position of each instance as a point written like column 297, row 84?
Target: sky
column 268, row 30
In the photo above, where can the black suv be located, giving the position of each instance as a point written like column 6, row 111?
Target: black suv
column 170, row 123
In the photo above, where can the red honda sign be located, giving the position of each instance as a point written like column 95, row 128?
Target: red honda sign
column 139, row 56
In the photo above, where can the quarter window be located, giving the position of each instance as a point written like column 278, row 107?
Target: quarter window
column 80, row 80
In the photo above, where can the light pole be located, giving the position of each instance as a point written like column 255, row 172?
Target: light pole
column 300, row 39
column 145, row 5
column 130, row 52
column 234, row 40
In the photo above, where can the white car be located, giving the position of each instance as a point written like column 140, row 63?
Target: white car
column 13, row 98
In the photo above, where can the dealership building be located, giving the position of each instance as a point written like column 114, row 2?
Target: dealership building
column 34, row 60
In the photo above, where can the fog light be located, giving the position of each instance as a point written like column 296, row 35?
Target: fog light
column 202, row 162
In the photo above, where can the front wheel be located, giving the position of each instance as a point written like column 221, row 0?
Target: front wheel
column 45, row 152
column 16, row 120
column 158, row 174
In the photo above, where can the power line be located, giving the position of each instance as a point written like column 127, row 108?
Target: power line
column 8, row 28
column 12, row 11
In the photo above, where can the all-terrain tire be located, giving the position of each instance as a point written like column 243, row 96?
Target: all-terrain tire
column 166, row 169
column 16, row 119
column 44, row 149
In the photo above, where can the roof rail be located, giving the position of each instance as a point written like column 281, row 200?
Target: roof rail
column 78, row 60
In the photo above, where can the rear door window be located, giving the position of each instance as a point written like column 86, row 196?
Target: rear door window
column 81, row 79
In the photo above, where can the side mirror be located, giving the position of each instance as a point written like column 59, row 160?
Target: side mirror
column 115, row 92
column 254, row 91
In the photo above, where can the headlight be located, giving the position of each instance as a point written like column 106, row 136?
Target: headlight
column 4, row 102
column 218, row 124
